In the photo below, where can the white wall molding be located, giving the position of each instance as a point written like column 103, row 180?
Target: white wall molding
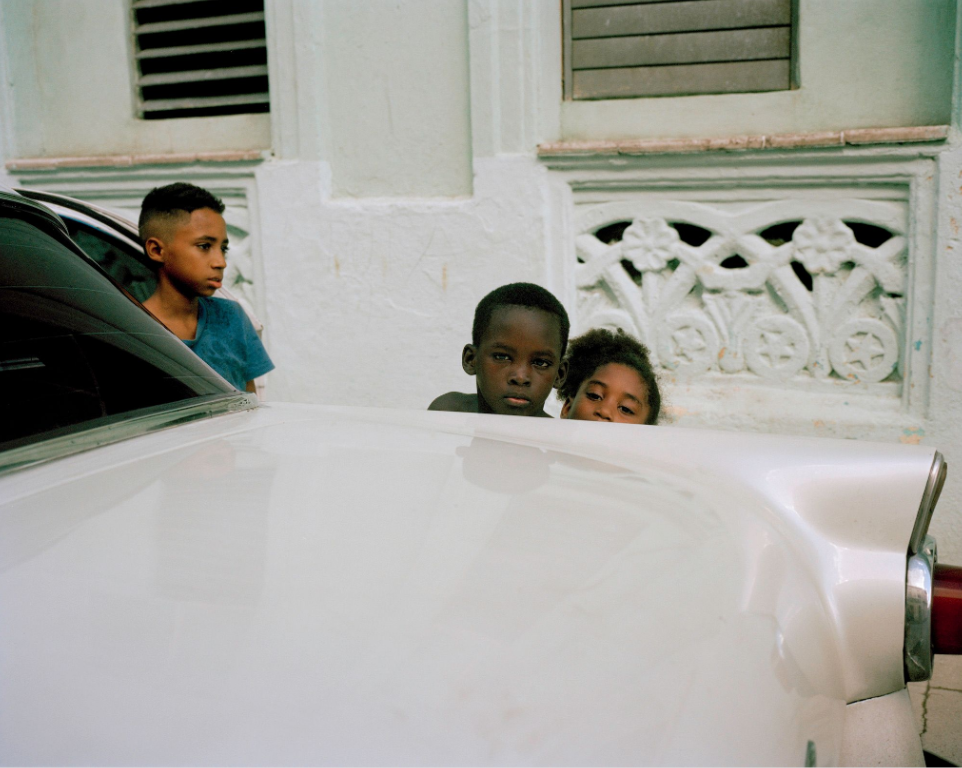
column 7, row 134
column 299, row 126
column 515, row 50
column 956, row 116
column 34, row 164
column 856, row 137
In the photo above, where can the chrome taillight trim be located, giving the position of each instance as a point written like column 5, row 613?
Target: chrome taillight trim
column 930, row 497
column 918, row 612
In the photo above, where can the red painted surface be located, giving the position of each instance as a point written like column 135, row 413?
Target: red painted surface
column 947, row 609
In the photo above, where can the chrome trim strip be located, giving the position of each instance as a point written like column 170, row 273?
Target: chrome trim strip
column 124, row 427
column 930, row 497
column 918, row 613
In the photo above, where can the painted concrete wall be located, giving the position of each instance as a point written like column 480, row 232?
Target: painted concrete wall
column 943, row 427
column 7, row 130
column 73, row 94
column 863, row 64
column 380, row 273
column 398, row 98
column 372, row 303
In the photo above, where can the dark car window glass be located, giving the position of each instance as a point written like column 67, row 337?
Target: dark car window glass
column 73, row 348
column 125, row 267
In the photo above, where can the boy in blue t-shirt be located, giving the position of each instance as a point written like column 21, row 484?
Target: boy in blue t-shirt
column 184, row 233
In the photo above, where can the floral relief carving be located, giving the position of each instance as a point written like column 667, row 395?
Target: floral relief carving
column 773, row 291
column 649, row 244
column 822, row 244
column 240, row 262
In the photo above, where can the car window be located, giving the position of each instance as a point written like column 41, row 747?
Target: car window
column 123, row 266
column 74, row 350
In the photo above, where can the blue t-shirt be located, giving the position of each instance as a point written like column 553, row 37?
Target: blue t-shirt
column 227, row 342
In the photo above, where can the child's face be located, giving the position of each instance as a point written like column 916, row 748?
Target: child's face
column 517, row 362
column 193, row 255
column 614, row 392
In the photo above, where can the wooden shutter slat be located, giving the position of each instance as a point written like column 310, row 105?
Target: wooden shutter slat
column 138, row 4
column 696, row 47
column 732, row 77
column 203, row 75
column 213, row 21
column 190, row 50
column 576, row 3
column 165, row 105
column 686, row 16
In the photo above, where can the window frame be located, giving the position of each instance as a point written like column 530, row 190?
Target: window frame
column 568, row 49
column 256, row 102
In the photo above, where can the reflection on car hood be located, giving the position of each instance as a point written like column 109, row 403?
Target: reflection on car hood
column 317, row 585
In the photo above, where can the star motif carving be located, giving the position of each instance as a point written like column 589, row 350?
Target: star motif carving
column 776, row 346
column 864, row 349
column 689, row 343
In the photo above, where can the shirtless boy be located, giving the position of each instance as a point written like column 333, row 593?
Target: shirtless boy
column 516, row 353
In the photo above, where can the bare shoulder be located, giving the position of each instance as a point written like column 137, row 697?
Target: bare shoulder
column 455, row 401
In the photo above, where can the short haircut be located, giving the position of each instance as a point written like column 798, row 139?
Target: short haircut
column 600, row 347
column 170, row 202
column 519, row 295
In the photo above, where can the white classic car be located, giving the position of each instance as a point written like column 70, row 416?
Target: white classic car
column 189, row 577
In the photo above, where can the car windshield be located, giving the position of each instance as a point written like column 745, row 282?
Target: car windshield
column 75, row 352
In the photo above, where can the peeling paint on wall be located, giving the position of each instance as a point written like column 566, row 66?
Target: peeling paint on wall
column 912, row 436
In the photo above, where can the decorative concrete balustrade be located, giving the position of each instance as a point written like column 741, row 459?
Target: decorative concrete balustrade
column 789, row 291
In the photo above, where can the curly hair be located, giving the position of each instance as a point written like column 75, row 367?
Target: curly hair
column 598, row 347
column 168, row 203
column 519, row 295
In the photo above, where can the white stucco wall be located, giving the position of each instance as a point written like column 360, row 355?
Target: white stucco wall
column 421, row 199
column 375, row 302
column 72, row 88
column 7, row 129
column 944, row 415
column 863, row 64
column 398, row 98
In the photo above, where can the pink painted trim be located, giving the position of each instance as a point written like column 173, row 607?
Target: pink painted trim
column 854, row 137
column 125, row 161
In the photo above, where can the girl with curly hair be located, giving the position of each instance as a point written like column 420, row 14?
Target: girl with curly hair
column 610, row 378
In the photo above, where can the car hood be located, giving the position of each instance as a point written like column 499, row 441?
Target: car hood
column 306, row 585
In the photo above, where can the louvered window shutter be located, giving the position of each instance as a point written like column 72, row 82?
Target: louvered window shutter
column 671, row 48
column 197, row 58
